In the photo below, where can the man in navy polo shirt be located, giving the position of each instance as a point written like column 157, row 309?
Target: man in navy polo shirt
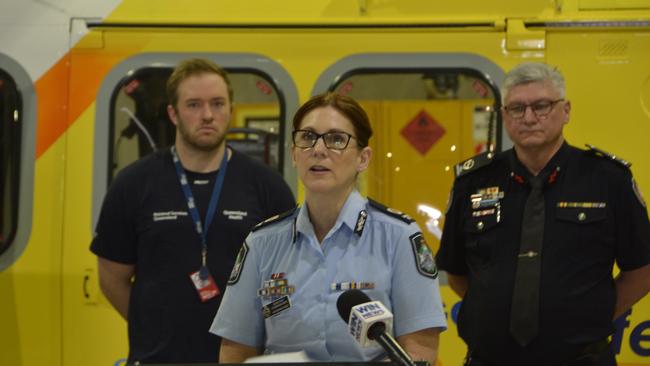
column 172, row 223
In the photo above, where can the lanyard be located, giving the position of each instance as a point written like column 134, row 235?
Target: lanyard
column 201, row 229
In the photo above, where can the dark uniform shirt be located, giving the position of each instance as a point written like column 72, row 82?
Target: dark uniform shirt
column 593, row 218
column 145, row 221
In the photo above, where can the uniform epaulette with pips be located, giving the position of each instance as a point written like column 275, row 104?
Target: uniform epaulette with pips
column 604, row 154
column 473, row 164
column 273, row 219
column 390, row 212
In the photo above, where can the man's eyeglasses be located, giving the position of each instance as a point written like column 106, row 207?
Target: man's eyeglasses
column 541, row 108
column 332, row 140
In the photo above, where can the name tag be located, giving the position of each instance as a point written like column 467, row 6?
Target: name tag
column 276, row 307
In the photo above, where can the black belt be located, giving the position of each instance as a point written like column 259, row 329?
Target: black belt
column 588, row 355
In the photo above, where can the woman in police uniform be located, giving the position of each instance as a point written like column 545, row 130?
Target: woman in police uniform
column 292, row 268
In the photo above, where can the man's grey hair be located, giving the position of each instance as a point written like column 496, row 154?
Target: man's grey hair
column 531, row 72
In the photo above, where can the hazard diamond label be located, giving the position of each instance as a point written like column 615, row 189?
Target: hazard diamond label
column 423, row 132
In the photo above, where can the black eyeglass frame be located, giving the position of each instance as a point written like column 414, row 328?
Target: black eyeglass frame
column 323, row 136
column 551, row 105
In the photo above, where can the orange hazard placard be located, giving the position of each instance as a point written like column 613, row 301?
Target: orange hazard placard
column 423, row 132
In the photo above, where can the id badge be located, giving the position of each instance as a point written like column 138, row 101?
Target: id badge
column 207, row 289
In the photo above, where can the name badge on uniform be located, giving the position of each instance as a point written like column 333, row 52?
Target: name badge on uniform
column 207, row 289
column 479, row 213
column 276, row 307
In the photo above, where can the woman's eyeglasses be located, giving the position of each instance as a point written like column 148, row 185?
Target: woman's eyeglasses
column 333, row 140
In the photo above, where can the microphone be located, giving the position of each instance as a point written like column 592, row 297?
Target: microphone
column 369, row 322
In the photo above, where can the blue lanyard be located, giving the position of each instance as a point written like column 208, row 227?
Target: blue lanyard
column 201, row 229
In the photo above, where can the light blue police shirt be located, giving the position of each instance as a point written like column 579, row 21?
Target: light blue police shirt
column 383, row 252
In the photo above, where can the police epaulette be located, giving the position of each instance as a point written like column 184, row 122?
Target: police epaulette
column 598, row 152
column 391, row 212
column 474, row 163
column 273, row 219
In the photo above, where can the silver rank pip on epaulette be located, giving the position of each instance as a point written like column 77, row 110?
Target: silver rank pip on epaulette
column 612, row 157
column 622, row 162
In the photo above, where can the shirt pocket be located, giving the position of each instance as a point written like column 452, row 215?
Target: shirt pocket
column 581, row 216
column 286, row 328
column 586, row 231
column 481, row 239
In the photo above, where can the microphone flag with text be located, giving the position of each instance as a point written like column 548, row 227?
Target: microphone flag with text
column 370, row 322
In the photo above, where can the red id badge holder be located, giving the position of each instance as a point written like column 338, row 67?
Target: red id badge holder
column 207, row 289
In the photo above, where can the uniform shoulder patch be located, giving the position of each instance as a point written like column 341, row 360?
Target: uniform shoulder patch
column 473, row 164
column 604, row 154
column 424, row 260
column 390, row 212
column 273, row 219
column 239, row 264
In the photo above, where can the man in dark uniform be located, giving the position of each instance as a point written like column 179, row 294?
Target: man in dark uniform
column 172, row 223
column 532, row 234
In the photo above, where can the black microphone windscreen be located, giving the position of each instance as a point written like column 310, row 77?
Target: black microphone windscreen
column 348, row 300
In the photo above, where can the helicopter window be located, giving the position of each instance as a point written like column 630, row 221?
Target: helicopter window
column 10, row 139
column 465, row 91
column 425, row 121
column 140, row 123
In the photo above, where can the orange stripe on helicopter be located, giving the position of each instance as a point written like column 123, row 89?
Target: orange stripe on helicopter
column 86, row 77
column 57, row 112
column 52, row 104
